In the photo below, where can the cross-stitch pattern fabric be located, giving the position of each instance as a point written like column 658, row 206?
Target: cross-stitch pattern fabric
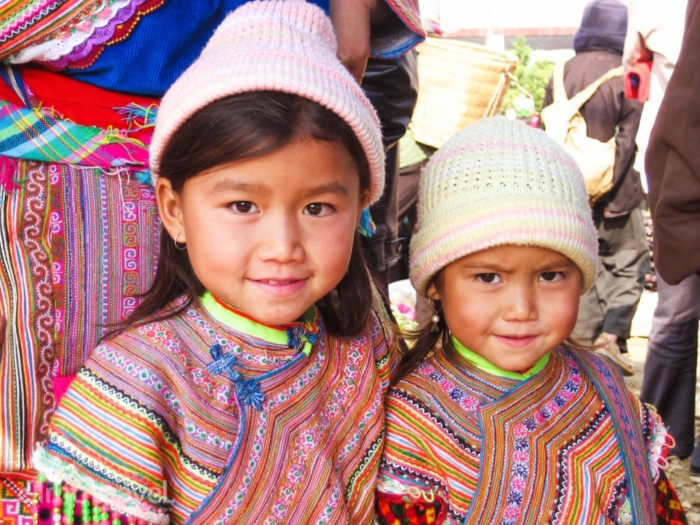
column 191, row 415
column 19, row 503
column 669, row 510
column 15, row 503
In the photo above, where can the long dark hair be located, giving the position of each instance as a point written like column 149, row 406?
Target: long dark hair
column 243, row 127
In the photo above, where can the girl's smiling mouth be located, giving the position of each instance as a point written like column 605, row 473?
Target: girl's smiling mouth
column 280, row 286
column 277, row 281
column 516, row 341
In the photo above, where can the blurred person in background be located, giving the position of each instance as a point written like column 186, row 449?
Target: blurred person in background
column 607, row 309
column 672, row 166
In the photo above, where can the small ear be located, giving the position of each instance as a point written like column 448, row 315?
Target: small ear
column 432, row 292
column 364, row 201
column 170, row 209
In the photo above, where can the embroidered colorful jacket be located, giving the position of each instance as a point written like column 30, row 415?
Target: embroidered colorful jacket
column 569, row 445
column 189, row 420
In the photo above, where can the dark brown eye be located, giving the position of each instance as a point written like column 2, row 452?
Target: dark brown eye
column 244, row 207
column 551, row 276
column 314, row 209
column 318, row 209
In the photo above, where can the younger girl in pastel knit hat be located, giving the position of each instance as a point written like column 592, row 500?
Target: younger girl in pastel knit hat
column 248, row 386
column 500, row 417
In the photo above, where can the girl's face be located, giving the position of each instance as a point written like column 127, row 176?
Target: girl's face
column 510, row 304
column 272, row 235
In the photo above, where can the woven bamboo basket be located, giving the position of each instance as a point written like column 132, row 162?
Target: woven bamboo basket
column 458, row 83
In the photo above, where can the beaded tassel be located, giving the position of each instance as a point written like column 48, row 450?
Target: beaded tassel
column 64, row 501
column 56, row 503
column 69, row 497
column 85, row 515
column 37, row 493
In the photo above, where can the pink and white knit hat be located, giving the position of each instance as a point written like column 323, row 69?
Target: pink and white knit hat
column 277, row 45
column 500, row 182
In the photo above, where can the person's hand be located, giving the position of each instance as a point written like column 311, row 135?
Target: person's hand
column 352, row 21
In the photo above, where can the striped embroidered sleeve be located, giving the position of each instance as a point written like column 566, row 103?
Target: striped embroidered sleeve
column 103, row 442
column 409, row 465
column 669, row 510
column 409, row 490
column 657, row 439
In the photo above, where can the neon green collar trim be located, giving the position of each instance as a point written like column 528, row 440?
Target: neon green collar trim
column 247, row 326
column 483, row 364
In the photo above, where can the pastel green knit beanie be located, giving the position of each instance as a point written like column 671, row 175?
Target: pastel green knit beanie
column 501, row 182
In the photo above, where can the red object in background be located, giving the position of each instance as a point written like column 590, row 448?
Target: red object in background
column 76, row 101
column 637, row 81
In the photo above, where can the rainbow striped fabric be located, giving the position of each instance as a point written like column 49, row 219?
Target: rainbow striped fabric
column 25, row 301
column 77, row 247
column 190, row 421
column 478, row 448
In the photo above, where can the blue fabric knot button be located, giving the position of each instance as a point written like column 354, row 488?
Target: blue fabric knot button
column 223, row 364
column 248, row 392
column 298, row 335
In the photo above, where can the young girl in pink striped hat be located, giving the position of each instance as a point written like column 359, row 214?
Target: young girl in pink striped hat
column 500, row 417
column 248, row 386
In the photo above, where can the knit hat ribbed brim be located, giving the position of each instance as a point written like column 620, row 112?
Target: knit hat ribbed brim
column 500, row 182
column 286, row 46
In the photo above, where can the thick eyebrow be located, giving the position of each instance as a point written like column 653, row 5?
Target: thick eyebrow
column 555, row 265
column 331, row 187
column 234, row 185
column 483, row 265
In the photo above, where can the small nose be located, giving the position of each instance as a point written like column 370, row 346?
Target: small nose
column 280, row 239
column 521, row 302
